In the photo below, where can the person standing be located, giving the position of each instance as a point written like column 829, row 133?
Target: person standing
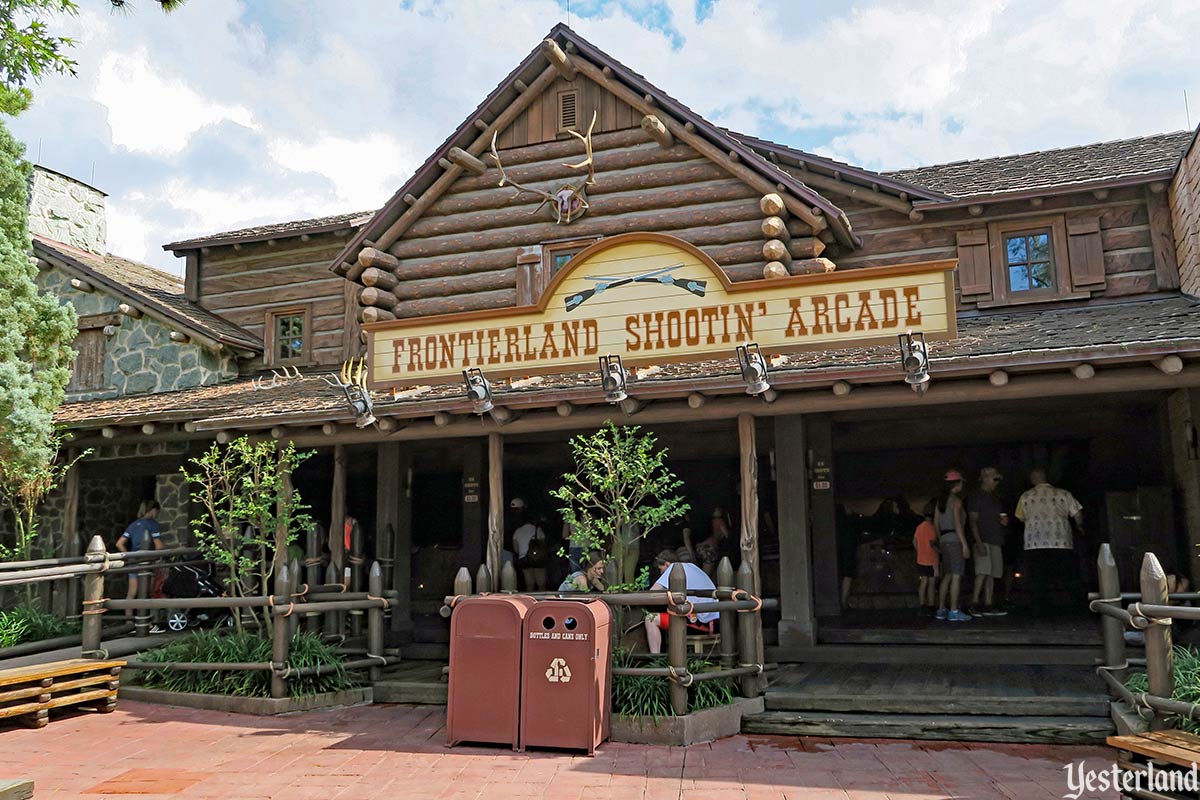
column 530, row 548
column 988, row 529
column 950, row 518
column 143, row 533
column 925, row 542
column 1048, row 512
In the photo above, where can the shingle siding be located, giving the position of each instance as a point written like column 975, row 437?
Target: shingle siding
column 1185, row 219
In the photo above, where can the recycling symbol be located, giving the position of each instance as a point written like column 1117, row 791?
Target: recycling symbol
column 558, row 672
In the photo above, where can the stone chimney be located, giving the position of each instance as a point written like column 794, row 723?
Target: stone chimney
column 67, row 210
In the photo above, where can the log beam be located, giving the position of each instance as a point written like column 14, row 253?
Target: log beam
column 775, row 250
column 654, row 126
column 469, row 163
column 561, row 62
column 772, row 205
column 130, row 311
column 1170, row 365
column 1084, row 372
column 384, row 281
column 371, row 296
column 370, row 257
column 863, row 193
column 776, row 228
column 82, row 286
column 372, row 314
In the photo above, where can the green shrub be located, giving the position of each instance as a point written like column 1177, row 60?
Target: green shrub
column 648, row 696
column 1187, row 685
column 305, row 649
column 26, row 623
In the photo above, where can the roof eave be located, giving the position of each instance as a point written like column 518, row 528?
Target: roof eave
column 180, row 248
column 989, row 198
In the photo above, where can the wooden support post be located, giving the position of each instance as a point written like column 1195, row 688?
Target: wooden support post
column 387, row 506
column 468, row 162
column 797, row 625
column 819, row 477
column 748, row 450
column 337, row 509
column 402, row 571
column 142, row 616
column 333, row 619
column 462, row 582
column 474, row 521
column 279, row 632
column 1113, row 629
column 293, row 621
column 508, row 577
column 312, row 569
column 375, row 619
column 495, row 541
column 70, row 532
column 654, row 126
column 728, row 618
column 749, row 630
column 93, row 604
column 1160, row 659
column 677, row 641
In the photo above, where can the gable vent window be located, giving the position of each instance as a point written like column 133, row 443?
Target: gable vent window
column 567, row 107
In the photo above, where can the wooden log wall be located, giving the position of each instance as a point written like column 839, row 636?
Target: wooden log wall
column 462, row 254
column 243, row 285
column 890, row 237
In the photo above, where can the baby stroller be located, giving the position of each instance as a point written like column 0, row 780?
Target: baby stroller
column 193, row 580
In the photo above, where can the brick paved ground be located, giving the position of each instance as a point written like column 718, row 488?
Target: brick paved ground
column 396, row 752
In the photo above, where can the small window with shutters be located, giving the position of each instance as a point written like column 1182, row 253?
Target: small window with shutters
column 1030, row 260
column 537, row 266
column 568, row 111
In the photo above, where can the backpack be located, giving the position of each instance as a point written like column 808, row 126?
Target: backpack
column 538, row 553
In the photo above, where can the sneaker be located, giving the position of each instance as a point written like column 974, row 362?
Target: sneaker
column 974, row 611
column 155, row 629
column 958, row 616
column 941, row 614
column 995, row 611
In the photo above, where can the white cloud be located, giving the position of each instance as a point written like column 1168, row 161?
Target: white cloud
column 366, row 170
column 149, row 113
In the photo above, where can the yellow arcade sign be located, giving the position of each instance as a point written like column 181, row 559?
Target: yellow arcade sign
column 653, row 298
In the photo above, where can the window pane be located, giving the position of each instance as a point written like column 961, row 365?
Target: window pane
column 289, row 336
column 561, row 259
column 1042, row 277
column 1039, row 247
column 1017, row 253
column 1018, row 279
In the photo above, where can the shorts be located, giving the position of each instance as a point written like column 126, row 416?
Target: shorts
column 952, row 555
column 664, row 622
column 989, row 561
column 924, row 570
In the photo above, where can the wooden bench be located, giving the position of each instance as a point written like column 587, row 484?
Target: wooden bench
column 703, row 644
column 1166, row 749
column 28, row 693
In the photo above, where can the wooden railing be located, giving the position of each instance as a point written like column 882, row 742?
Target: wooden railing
column 324, row 607
column 740, row 623
column 1151, row 613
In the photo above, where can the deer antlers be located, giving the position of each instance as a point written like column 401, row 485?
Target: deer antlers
column 570, row 201
column 353, row 382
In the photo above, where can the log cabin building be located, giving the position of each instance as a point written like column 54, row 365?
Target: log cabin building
column 1068, row 336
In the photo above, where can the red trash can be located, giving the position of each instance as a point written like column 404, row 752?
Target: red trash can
column 483, row 700
column 566, row 684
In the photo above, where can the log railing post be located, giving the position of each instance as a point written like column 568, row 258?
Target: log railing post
column 333, row 619
column 1160, row 660
column 279, row 631
column 293, row 621
column 312, row 570
column 337, row 515
column 1112, row 628
column 356, row 561
column 70, row 528
column 93, row 604
column 375, row 620
column 747, row 625
column 508, row 577
column 677, row 641
column 142, row 616
column 462, row 582
column 729, row 624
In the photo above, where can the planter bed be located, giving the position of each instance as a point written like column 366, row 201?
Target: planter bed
column 693, row 728
column 257, row 706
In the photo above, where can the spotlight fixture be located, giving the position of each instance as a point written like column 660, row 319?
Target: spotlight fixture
column 754, row 368
column 914, row 358
column 352, row 381
column 479, row 391
column 613, row 378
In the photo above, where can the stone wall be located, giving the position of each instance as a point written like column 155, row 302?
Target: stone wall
column 1185, row 219
column 140, row 357
column 171, row 492
column 67, row 210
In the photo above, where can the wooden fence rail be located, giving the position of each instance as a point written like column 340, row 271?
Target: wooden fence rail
column 1150, row 613
column 734, row 599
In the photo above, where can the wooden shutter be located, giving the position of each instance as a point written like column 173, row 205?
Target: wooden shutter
column 529, row 278
column 1084, row 251
column 974, row 268
column 88, row 370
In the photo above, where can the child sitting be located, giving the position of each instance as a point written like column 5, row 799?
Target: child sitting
column 925, row 540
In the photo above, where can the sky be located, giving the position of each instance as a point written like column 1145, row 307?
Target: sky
column 231, row 113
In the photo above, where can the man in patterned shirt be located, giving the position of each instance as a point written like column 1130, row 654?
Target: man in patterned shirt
column 1049, row 543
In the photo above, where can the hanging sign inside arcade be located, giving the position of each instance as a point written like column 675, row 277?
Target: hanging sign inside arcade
column 652, row 298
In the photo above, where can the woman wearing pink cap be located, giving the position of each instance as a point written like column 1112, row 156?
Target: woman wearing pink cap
column 950, row 519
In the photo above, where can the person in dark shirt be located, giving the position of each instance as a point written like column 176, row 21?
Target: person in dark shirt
column 988, row 524
column 142, row 534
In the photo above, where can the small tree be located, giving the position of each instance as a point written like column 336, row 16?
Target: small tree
column 251, row 514
column 620, row 491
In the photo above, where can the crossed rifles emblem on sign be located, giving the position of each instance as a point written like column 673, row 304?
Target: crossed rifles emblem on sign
column 660, row 276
